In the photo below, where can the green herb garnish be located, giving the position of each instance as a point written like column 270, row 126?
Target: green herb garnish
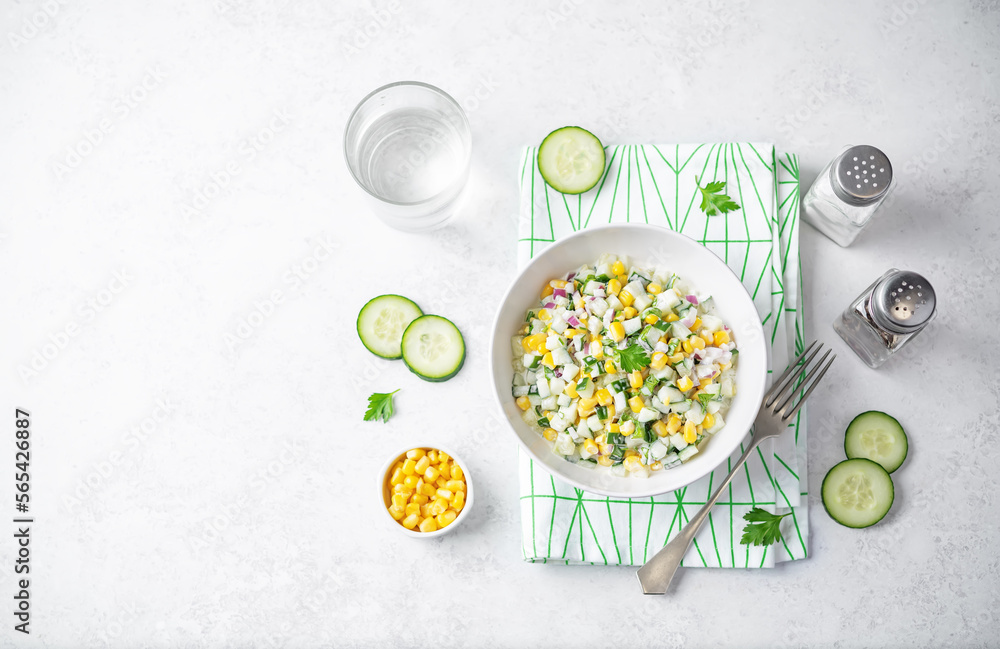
column 763, row 527
column 380, row 406
column 713, row 201
column 633, row 358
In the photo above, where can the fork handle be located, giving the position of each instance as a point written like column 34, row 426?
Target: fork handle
column 656, row 574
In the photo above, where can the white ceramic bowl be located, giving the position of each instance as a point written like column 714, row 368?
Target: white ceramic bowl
column 645, row 245
column 385, row 493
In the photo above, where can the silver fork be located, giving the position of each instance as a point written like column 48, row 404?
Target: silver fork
column 775, row 413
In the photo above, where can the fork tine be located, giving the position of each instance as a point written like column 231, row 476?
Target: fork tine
column 811, row 387
column 791, row 373
column 796, row 386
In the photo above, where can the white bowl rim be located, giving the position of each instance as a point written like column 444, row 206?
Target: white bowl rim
column 469, row 492
column 755, row 397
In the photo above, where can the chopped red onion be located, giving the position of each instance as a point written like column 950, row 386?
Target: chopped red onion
column 559, row 292
column 692, row 299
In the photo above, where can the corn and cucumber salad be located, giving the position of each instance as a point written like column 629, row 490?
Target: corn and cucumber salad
column 624, row 367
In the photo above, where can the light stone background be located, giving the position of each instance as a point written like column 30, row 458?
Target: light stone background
column 189, row 492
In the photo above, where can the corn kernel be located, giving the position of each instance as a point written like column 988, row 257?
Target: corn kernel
column 591, row 447
column 455, row 485
column 412, row 508
column 409, row 467
column 548, row 362
column 656, row 466
column 707, row 337
column 673, row 424
column 709, row 420
column 396, row 512
column 541, row 348
column 617, row 331
column 660, row 428
column 399, row 500
column 696, row 325
column 604, row 460
column 604, row 397
column 458, row 501
column 676, row 358
column 410, row 481
column 457, row 473
column 697, row 342
column 632, row 463
column 597, row 350
column 626, row 298
column 570, row 390
column 428, row 525
column 440, row 483
column 543, row 314
column 397, row 477
column 425, row 510
column 401, row 489
column 622, row 279
column 446, row 519
column 523, row 403
column 422, row 464
column 614, row 428
column 652, row 318
column 529, row 343
column 558, row 283
column 618, row 268
column 635, row 379
column 690, row 432
column 672, row 317
column 721, row 337
column 684, row 383
column 609, row 366
column 411, row 520
column 445, row 470
column 658, row 361
column 418, row 499
column 654, row 288
column 550, row 434
column 614, row 287
column 636, row 404
column 428, row 489
column 439, row 506
column 629, row 312
column 686, row 346
column 431, row 474
column 547, row 291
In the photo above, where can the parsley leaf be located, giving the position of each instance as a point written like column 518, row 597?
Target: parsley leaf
column 705, row 397
column 762, row 527
column 712, row 201
column 633, row 358
column 380, row 406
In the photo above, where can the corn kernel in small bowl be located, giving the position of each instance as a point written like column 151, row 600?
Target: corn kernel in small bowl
column 426, row 491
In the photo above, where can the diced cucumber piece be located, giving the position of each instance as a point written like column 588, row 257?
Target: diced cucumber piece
column 857, row 492
column 571, row 160
column 382, row 321
column 687, row 453
column 433, row 348
column 878, row 437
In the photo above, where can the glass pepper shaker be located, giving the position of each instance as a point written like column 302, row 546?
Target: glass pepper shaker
column 887, row 315
column 847, row 193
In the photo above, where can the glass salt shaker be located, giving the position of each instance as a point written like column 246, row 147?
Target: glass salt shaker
column 847, row 193
column 887, row 315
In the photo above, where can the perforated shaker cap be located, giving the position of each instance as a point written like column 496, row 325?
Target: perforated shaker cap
column 903, row 302
column 861, row 175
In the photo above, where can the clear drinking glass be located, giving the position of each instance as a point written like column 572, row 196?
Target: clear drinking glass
column 409, row 146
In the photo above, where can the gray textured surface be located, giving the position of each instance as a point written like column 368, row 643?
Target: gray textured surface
column 246, row 514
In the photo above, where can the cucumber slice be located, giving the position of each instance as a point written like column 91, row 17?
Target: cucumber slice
column 857, row 493
column 433, row 348
column 571, row 160
column 876, row 436
column 383, row 320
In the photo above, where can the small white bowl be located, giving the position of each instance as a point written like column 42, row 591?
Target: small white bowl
column 697, row 265
column 385, row 492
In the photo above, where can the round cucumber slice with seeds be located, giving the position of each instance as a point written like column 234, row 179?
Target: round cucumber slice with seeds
column 383, row 320
column 858, row 493
column 876, row 436
column 433, row 348
column 571, row 160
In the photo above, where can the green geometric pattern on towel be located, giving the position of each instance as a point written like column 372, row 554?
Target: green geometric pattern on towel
column 656, row 185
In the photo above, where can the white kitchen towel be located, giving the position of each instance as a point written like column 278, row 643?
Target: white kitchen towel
column 657, row 185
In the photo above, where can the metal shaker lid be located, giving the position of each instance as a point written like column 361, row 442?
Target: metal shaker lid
column 861, row 174
column 903, row 302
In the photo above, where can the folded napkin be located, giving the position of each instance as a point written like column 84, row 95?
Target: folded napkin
column 656, row 185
